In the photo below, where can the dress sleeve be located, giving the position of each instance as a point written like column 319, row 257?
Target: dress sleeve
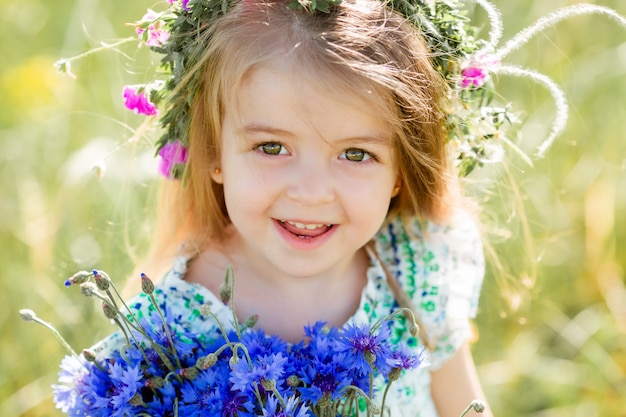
column 441, row 268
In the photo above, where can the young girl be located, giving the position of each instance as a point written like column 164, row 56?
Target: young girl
column 317, row 168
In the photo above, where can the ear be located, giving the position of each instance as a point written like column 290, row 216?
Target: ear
column 216, row 175
column 397, row 187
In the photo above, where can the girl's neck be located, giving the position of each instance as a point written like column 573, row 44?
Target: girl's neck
column 284, row 304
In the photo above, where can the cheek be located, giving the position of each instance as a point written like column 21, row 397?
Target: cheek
column 247, row 188
column 369, row 197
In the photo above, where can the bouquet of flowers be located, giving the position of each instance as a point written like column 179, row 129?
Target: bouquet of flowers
column 161, row 367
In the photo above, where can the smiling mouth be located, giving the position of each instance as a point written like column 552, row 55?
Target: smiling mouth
column 305, row 230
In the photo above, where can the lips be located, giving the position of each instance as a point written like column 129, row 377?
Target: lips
column 305, row 230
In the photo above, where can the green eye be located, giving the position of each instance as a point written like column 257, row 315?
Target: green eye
column 272, row 148
column 355, row 155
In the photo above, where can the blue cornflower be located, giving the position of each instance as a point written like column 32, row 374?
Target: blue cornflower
column 156, row 332
column 202, row 396
column 266, row 367
column 259, row 343
column 324, row 379
column 404, row 358
column 67, row 393
column 293, row 408
column 123, row 383
column 163, row 402
column 365, row 351
column 237, row 404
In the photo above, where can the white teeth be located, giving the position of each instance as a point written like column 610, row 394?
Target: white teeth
column 311, row 226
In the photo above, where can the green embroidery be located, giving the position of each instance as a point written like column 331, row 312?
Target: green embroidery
column 362, row 405
column 429, row 306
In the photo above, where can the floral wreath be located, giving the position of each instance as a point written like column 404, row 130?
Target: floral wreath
column 477, row 128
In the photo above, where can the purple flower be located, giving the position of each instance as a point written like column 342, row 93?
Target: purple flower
column 172, row 154
column 137, row 101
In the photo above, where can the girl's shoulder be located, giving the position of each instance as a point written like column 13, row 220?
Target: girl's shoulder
column 423, row 241
column 440, row 266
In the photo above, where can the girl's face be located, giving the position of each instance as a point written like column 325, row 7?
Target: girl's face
column 307, row 173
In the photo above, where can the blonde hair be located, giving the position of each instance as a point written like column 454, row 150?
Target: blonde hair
column 361, row 47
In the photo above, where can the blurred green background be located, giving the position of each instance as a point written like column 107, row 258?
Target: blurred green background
column 552, row 323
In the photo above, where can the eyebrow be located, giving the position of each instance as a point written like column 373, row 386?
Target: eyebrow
column 260, row 128
column 376, row 139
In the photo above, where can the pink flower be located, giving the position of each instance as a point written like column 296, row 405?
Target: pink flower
column 157, row 36
column 473, row 75
column 477, row 69
column 172, row 154
column 184, row 3
column 149, row 17
column 138, row 102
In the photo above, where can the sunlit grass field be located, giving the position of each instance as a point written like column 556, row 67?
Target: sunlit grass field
column 552, row 323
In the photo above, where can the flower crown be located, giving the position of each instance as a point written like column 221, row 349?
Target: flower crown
column 477, row 128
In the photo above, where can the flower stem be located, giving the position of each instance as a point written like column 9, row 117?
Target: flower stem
column 167, row 329
column 57, row 334
column 103, row 47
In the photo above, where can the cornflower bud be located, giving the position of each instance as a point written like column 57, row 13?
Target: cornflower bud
column 324, row 402
column 394, row 374
column 28, row 314
column 88, row 289
column 374, row 409
column 146, row 284
column 293, row 381
column 268, row 384
column 155, row 382
column 109, row 311
column 251, row 321
column 414, row 329
column 78, row 278
column 225, row 290
column 205, row 309
column 189, row 373
column 102, row 281
column 89, row 354
column 234, row 360
column 137, row 399
column 478, row 406
column 205, row 362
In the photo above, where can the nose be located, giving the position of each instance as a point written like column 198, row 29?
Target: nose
column 311, row 183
